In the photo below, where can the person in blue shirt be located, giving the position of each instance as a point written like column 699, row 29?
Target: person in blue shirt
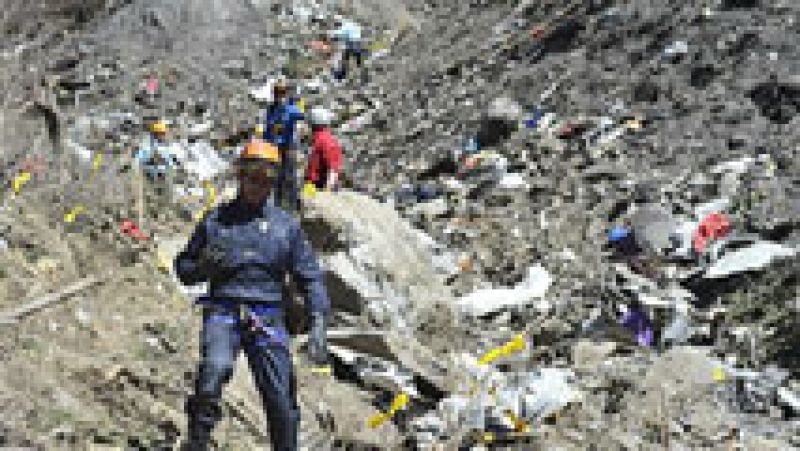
column 244, row 249
column 280, row 129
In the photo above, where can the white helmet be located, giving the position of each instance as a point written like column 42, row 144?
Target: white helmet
column 320, row 116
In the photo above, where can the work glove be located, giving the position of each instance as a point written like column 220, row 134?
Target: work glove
column 309, row 190
column 317, row 343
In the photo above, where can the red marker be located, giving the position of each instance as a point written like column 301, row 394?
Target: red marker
column 537, row 32
column 712, row 227
column 132, row 230
column 152, row 85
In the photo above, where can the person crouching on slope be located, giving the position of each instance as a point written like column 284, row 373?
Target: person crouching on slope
column 325, row 163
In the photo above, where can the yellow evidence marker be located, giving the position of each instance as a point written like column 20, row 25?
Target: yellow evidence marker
column 399, row 402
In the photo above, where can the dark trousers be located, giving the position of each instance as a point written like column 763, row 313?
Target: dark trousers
column 222, row 337
column 286, row 186
column 352, row 51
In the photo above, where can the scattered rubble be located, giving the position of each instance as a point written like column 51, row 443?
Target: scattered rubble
column 489, row 150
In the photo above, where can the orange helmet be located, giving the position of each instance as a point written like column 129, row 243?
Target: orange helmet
column 260, row 150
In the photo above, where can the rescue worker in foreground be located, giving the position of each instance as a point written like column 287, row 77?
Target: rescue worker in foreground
column 280, row 129
column 325, row 163
column 244, row 249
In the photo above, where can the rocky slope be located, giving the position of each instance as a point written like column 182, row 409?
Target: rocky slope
column 634, row 110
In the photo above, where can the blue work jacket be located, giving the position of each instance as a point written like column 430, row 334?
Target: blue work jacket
column 280, row 124
column 259, row 246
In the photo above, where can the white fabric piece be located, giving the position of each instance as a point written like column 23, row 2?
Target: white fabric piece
column 488, row 300
column 750, row 258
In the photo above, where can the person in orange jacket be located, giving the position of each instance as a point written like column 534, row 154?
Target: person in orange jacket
column 325, row 163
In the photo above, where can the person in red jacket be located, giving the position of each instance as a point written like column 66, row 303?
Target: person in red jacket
column 325, row 162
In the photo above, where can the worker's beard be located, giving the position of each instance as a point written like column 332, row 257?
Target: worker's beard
column 255, row 193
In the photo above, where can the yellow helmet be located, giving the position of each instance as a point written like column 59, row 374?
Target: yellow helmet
column 260, row 150
column 158, row 127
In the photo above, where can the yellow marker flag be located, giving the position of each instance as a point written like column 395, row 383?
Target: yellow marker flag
column 21, row 179
column 212, row 193
column 309, row 190
column 73, row 214
column 519, row 424
column 377, row 420
column 399, row 402
column 718, row 374
column 301, row 104
column 490, row 356
column 322, row 370
column 515, row 345
column 96, row 162
column 212, row 196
